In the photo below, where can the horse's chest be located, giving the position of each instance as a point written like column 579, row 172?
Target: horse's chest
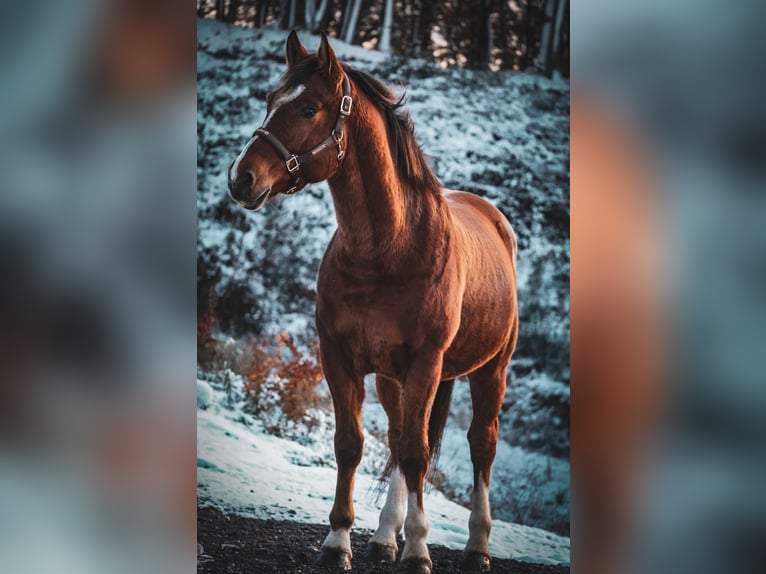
column 368, row 317
column 374, row 327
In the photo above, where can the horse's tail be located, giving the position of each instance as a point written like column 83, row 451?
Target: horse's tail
column 438, row 419
column 436, row 423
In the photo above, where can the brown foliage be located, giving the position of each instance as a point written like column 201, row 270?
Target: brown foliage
column 282, row 376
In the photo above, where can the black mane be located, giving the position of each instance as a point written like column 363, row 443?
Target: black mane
column 411, row 164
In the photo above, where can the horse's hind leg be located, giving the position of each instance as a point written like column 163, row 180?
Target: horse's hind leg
column 382, row 546
column 487, row 393
column 348, row 394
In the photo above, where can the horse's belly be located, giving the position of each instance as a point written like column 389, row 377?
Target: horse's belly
column 462, row 359
column 484, row 331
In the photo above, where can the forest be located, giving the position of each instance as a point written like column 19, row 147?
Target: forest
column 522, row 35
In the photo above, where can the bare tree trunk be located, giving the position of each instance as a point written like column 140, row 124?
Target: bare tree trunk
column 421, row 26
column 530, row 33
column 352, row 23
column 451, row 47
column 293, row 11
column 562, row 54
column 562, row 8
column 346, row 17
column 220, row 10
column 545, row 44
column 309, row 11
column 284, row 14
column 231, row 13
column 314, row 15
column 388, row 19
column 551, row 49
column 483, row 36
column 260, row 13
column 415, row 42
column 327, row 16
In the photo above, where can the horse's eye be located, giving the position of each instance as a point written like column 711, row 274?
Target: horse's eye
column 308, row 112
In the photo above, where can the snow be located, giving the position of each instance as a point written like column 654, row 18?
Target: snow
column 204, row 395
column 242, row 469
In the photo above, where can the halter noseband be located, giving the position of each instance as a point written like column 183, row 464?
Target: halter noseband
column 293, row 162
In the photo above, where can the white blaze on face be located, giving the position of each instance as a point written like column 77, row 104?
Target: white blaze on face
column 480, row 522
column 392, row 515
column 282, row 99
column 240, row 157
column 415, row 530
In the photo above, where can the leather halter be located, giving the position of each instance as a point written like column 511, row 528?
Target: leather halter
column 293, row 161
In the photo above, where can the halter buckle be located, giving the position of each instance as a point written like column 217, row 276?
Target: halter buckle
column 293, row 164
column 345, row 105
column 292, row 190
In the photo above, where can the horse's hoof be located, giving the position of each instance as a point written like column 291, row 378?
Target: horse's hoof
column 476, row 561
column 377, row 552
column 335, row 558
column 415, row 566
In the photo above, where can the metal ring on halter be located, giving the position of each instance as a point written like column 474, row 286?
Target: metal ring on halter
column 293, row 164
column 345, row 105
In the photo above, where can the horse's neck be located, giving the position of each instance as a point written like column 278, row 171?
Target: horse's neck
column 379, row 218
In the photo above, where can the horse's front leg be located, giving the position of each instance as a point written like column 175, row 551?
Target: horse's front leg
column 347, row 394
column 419, row 390
column 382, row 546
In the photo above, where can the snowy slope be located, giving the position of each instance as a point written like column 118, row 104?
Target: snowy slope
column 501, row 135
column 242, row 469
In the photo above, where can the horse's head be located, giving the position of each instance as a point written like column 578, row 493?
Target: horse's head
column 302, row 138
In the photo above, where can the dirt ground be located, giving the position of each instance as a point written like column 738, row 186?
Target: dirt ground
column 234, row 544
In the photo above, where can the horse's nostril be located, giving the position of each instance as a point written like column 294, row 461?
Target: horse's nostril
column 242, row 185
column 245, row 181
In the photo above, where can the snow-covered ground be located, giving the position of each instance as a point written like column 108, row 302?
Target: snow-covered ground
column 242, row 469
column 504, row 136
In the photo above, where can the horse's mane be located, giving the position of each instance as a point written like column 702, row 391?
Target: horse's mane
column 411, row 164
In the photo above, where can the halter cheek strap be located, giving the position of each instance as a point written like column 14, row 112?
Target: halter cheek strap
column 293, row 162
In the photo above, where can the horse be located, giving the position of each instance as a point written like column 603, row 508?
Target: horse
column 417, row 285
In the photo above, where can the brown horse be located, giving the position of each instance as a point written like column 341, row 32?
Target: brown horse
column 418, row 285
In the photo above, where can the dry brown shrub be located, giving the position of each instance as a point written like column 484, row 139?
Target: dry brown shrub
column 283, row 377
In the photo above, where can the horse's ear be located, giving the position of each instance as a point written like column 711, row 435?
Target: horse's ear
column 328, row 61
column 295, row 51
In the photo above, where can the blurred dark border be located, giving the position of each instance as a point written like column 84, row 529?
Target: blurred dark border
column 98, row 227
column 668, row 317
column 97, row 309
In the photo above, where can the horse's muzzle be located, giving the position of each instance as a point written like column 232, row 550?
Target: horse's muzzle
column 241, row 191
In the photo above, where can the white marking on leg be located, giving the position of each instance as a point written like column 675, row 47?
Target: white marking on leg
column 282, row 99
column 240, row 157
column 392, row 515
column 480, row 522
column 415, row 530
column 338, row 539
